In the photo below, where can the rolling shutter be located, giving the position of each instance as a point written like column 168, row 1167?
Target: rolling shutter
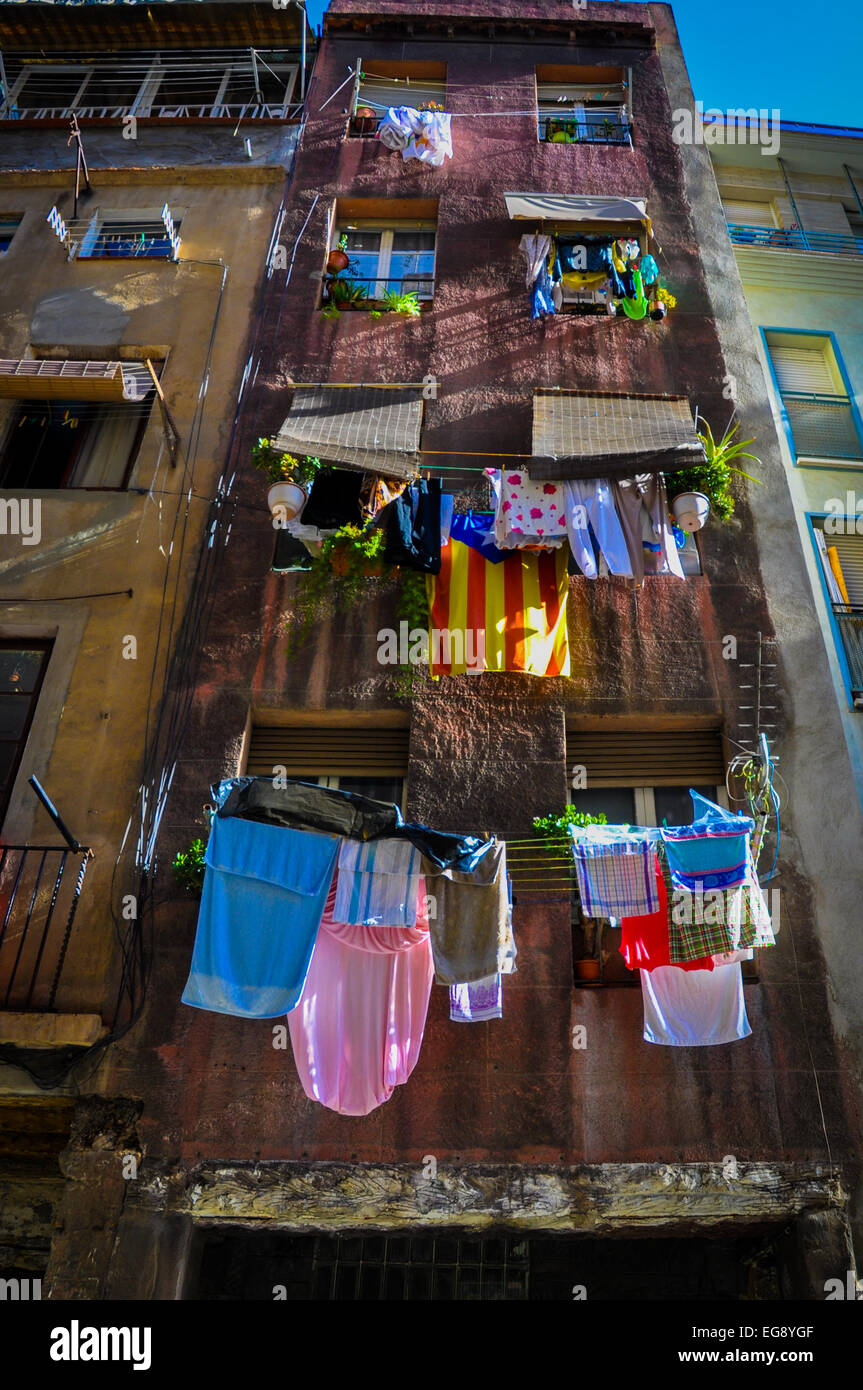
column 306, row 751
column 748, row 214
column 802, row 369
column 849, row 549
column 824, row 215
column 670, row 758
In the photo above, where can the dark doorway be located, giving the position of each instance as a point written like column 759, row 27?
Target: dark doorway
column 237, row 1264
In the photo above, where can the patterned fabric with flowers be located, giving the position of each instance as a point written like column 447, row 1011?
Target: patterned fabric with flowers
column 526, row 514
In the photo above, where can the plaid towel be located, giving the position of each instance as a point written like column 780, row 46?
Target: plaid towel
column 717, row 922
column 615, row 871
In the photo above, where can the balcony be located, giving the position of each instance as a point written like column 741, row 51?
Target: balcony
column 849, row 620
column 607, row 128
column 822, row 426
column 795, row 239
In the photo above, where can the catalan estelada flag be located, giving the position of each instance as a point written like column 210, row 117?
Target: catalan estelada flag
column 497, row 610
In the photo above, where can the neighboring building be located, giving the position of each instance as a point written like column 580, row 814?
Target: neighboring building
column 125, row 325
column 519, row 1147
column 796, row 221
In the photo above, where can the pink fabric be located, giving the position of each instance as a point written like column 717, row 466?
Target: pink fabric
column 358, row 1027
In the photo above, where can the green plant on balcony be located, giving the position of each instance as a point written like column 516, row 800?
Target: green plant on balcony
column 713, row 477
column 282, row 468
column 189, row 868
column 553, row 825
column 395, row 302
column 346, row 294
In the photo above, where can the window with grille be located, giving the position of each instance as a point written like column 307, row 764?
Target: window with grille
column 22, row 668
column 820, row 415
column 132, row 234
column 583, row 106
column 839, row 542
column 371, row 761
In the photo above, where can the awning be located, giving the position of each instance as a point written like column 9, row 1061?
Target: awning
column 576, row 208
column 576, row 435
column 30, row 378
column 373, row 428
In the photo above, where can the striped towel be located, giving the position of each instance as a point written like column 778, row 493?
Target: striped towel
column 378, row 883
column 615, row 869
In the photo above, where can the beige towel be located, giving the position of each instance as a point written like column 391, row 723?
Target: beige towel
column 469, row 920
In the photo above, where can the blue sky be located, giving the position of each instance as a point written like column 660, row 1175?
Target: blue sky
column 801, row 57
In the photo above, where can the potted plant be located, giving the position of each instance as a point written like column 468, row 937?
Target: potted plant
column 661, row 301
column 338, row 259
column 709, row 482
column 346, row 294
column 364, row 121
column 350, row 556
column 395, row 302
column 290, row 479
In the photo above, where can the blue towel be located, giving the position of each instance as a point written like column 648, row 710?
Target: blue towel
column 264, row 893
column 712, row 852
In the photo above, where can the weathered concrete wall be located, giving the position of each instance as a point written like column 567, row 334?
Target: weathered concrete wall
column 87, row 740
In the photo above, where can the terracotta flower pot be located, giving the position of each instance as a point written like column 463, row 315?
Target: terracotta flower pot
column 339, row 563
column 337, row 261
column 587, row 969
column 373, row 568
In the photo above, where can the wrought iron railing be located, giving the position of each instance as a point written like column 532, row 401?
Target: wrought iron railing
column 375, row 287
column 822, row 426
column 40, row 887
column 795, row 239
column 849, row 619
column 585, row 130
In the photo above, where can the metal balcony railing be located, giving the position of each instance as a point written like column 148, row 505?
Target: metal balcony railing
column 795, row 239
column 849, row 619
column 375, row 288
column 822, row 426
column 592, row 129
column 40, row 886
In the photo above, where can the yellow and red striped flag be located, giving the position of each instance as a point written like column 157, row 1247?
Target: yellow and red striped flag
column 506, row 613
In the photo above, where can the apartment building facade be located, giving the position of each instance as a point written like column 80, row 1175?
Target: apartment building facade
column 796, row 223
column 136, row 220
column 551, row 1147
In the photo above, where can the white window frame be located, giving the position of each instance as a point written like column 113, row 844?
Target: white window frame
column 429, row 89
column 387, row 230
column 549, row 108
column 332, row 781
column 645, row 803
column 21, row 80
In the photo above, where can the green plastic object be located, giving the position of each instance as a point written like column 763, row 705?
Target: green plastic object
column 636, row 307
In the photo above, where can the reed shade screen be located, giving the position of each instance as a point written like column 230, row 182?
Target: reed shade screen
column 43, row 378
column 578, row 435
column 324, row 752
column 374, row 428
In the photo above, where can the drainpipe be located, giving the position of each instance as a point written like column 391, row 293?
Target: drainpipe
column 797, row 218
column 304, row 25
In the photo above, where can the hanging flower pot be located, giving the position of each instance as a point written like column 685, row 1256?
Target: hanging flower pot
column 286, row 500
column 587, row 969
column 337, row 261
column 691, row 510
column 365, row 121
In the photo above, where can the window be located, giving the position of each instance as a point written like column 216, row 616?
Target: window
column 839, row 542
column 22, row 667
column 8, row 228
column 370, row 761
column 394, row 257
column 50, row 443
column 821, row 421
column 388, row 84
column 153, row 233
column 583, row 106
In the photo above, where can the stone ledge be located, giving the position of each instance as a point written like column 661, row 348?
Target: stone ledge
column 51, row 1030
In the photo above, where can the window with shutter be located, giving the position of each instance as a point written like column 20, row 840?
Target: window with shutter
column 805, row 368
column 371, row 761
column 644, row 776
column 749, row 214
column 814, row 396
